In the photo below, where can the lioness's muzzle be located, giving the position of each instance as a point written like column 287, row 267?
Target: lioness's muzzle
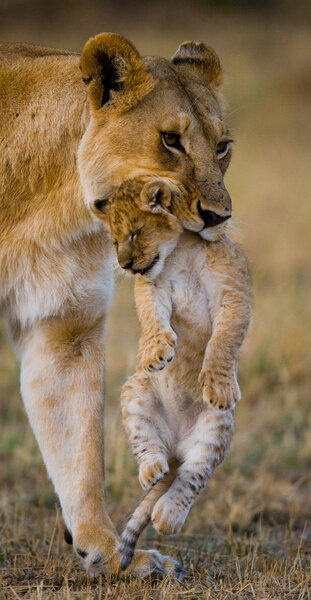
column 211, row 218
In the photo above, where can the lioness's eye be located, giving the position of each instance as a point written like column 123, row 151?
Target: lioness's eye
column 172, row 140
column 222, row 149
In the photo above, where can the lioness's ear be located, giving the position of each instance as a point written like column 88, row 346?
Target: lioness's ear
column 199, row 57
column 113, row 70
column 156, row 197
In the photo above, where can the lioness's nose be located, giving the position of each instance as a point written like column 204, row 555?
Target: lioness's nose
column 210, row 217
column 215, row 197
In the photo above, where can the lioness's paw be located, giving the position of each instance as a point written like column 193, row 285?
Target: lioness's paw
column 98, row 550
column 169, row 515
column 152, row 470
column 220, row 390
column 156, row 353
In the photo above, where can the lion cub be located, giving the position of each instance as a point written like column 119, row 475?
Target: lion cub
column 193, row 303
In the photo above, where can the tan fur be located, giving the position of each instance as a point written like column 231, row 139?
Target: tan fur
column 63, row 146
column 193, row 303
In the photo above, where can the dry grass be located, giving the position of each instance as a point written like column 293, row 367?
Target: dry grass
column 249, row 534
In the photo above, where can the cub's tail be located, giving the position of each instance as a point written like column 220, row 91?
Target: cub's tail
column 141, row 516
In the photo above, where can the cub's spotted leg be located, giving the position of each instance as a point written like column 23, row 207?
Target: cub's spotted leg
column 205, row 448
column 231, row 310
column 141, row 516
column 148, row 434
column 61, row 382
column 158, row 340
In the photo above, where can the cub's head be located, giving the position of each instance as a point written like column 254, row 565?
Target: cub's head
column 143, row 230
column 155, row 118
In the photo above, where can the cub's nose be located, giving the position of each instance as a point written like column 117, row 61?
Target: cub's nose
column 210, row 217
column 126, row 265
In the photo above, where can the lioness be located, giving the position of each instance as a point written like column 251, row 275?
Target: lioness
column 66, row 143
column 193, row 301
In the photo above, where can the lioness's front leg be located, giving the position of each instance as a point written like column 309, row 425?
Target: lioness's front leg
column 62, row 375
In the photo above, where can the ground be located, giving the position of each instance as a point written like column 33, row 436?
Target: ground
column 249, row 534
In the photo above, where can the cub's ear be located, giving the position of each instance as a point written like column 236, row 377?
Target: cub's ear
column 202, row 59
column 156, row 197
column 114, row 71
column 101, row 208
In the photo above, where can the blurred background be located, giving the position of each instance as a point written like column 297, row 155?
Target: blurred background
column 263, row 490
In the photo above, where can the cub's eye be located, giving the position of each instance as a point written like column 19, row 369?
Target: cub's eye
column 134, row 235
column 222, row 149
column 172, row 140
column 115, row 243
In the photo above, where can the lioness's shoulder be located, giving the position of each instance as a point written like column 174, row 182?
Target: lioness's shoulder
column 32, row 80
column 36, row 63
column 14, row 51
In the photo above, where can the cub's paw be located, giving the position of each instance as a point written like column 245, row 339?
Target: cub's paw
column 169, row 515
column 152, row 470
column 157, row 352
column 220, row 390
column 148, row 563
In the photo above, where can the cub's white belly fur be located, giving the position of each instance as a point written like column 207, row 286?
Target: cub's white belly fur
column 185, row 270
column 179, row 396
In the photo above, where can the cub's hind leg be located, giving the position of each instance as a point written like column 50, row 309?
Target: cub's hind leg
column 146, row 429
column 205, row 448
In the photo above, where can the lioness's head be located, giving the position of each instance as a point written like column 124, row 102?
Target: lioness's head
column 155, row 118
column 141, row 226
